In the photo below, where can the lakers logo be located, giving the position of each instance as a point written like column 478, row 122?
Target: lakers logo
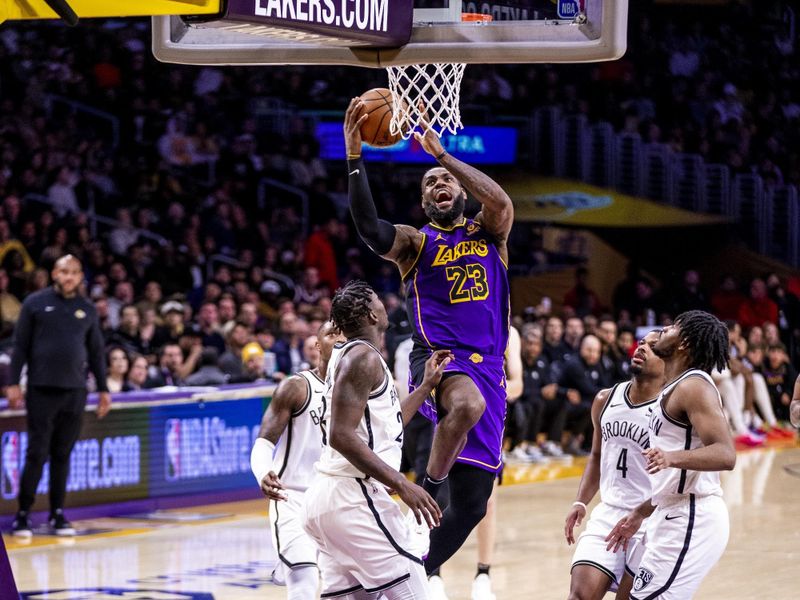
column 445, row 255
column 472, row 228
column 80, row 314
column 476, row 358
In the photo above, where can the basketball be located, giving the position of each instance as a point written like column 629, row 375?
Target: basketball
column 375, row 130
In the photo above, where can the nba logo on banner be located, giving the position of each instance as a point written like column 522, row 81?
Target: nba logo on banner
column 569, row 9
column 172, row 455
column 9, row 473
column 642, row 579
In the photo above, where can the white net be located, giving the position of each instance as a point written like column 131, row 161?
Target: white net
column 427, row 93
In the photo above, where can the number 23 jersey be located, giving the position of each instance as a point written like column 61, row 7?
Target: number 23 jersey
column 457, row 291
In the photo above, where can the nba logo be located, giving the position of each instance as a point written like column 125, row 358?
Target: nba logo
column 172, row 456
column 9, row 473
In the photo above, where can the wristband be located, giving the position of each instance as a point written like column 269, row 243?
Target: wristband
column 261, row 458
column 442, row 155
column 353, row 156
column 578, row 503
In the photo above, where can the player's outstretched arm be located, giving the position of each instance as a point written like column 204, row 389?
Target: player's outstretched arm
column 434, row 369
column 590, row 480
column 794, row 407
column 357, row 374
column 514, row 369
column 497, row 214
column 698, row 400
column 396, row 243
column 289, row 397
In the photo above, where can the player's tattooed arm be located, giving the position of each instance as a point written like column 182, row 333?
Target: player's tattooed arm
column 289, row 397
column 434, row 369
column 590, row 480
column 497, row 214
column 698, row 400
column 358, row 372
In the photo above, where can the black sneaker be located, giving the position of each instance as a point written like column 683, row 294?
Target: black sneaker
column 21, row 527
column 60, row 525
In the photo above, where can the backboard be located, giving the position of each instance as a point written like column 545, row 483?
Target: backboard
column 522, row 31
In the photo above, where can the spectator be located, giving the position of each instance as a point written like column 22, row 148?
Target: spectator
column 727, row 300
column 231, row 361
column 117, row 369
column 320, row 253
column 554, row 347
column 289, row 345
column 580, row 298
column 127, row 335
column 173, row 314
column 209, row 372
column 253, row 362
column 9, row 304
column 758, row 308
column 123, row 296
column 61, row 194
column 615, row 363
column 309, row 290
column 208, row 320
column 580, row 381
column 124, row 235
column 226, row 308
column 137, row 374
column 780, row 376
column 690, row 296
column 170, row 361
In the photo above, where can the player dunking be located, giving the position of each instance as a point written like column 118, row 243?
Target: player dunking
column 617, row 468
column 360, row 531
column 454, row 270
column 689, row 444
column 282, row 459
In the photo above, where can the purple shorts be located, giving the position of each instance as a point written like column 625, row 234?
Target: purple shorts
column 484, row 447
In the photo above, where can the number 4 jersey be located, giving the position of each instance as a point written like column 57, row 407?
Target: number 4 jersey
column 457, row 291
column 624, row 481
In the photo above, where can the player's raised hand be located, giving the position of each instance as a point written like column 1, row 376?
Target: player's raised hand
column 623, row 531
column 271, row 486
column 354, row 118
column 657, row 460
column 435, row 366
column 574, row 518
column 421, row 503
column 428, row 139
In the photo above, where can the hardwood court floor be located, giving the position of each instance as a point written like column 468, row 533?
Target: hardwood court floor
column 230, row 556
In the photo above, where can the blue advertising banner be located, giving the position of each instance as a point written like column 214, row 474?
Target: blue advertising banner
column 204, row 446
column 474, row 145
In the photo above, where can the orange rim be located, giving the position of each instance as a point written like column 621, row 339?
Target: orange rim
column 475, row 18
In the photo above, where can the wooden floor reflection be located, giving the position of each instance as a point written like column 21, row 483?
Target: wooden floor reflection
column 230, row 556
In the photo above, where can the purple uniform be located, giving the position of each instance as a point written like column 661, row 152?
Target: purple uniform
column 458, row 299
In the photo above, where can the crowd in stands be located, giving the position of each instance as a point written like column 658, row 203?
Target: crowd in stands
column 202, row 279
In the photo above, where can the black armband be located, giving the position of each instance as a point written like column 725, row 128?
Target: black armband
column 376, row 233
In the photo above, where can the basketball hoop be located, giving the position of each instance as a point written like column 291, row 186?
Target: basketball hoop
column 428, row 93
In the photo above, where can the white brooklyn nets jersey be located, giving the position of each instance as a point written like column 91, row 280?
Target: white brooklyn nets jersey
column 300, row 445
column 624, row 481
column 669, row 434
column 381, row 427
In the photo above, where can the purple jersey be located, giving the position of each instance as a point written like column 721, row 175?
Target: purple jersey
column 457, row 291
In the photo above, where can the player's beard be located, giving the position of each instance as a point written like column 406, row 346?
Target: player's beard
column 448, row 217
column 636, row 371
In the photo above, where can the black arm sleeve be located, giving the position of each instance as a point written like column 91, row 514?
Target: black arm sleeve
column 376, row 233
